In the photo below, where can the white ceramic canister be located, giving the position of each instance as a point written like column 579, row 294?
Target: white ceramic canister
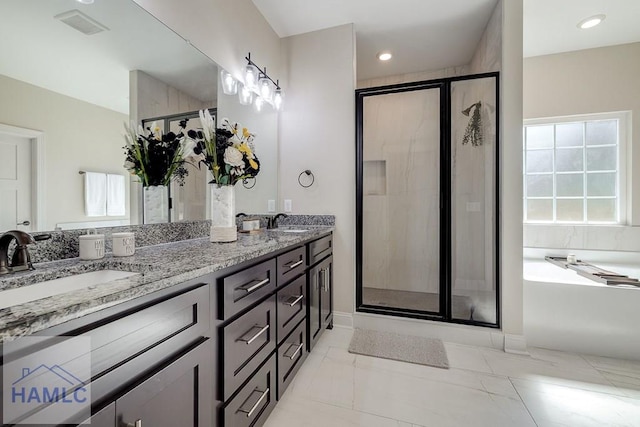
column 92, row 245
column 124, row 244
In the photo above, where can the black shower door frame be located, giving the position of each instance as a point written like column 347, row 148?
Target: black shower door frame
column 445, row 286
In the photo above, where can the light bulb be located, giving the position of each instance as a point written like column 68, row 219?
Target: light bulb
column 278, row 98
column 250, row 76
column 258, row 104
column 245, row 95
column 229, row 84
column 265, row 88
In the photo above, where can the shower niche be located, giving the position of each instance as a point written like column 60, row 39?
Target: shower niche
column 427, row 200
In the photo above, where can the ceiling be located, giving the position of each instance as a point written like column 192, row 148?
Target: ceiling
column 550, row 26
column 411, row 29
column 41, row 50
column 434, row 34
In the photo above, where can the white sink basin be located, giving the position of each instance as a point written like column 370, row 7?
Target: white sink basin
column 294, row 230
column 50, row 288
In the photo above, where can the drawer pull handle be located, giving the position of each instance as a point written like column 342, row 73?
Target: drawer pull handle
column 294, row 300
column 295, row 264
column 138, row 423
column 262, row 330
column 295, row 353
column 257, row 404
column 256, row 286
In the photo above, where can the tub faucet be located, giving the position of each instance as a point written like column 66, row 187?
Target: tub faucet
column 21, row 260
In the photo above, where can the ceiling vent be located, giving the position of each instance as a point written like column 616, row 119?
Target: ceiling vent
column 81, row 22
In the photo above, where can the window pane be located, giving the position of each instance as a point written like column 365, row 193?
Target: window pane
column 602, row 158
column 569, row 135
column 602, row 132
column 540, row 186
column 570, row 185
column 569, row 160
column 539, row 210
column 570, row 210
column 539, row 137
column 601, row 184
column 601, row 209
column 540, row 161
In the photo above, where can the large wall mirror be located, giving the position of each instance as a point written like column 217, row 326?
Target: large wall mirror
column 71, row 75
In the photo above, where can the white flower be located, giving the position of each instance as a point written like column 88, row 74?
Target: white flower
column 233, row 157
column 188, row 145
column 208, row 127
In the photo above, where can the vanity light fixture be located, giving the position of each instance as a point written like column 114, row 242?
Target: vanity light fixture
column 591, row 21
column 266, row 89
column 384, row 56
column 229, row 84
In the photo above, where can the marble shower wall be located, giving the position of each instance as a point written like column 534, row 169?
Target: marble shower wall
column 401, row 191
column 473, row 188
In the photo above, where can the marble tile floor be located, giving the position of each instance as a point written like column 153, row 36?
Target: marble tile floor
column 484, row 387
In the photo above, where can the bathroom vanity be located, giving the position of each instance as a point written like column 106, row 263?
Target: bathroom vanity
column 203, row 335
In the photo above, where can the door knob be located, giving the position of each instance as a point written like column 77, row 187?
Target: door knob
column 25, row 223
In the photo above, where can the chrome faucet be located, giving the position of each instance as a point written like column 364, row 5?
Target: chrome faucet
column 273, row 220
column 21, row 260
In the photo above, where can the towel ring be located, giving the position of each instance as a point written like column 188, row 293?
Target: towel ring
column 308, row 173
column 245, row 183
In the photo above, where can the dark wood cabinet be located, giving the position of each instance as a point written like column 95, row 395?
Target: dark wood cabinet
column 320, row 295
column 179, row 394
column 216, row 350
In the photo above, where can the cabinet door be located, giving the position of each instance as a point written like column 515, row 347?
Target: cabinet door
column 180, row 394
column 106, row 417
column 313, row 314
column 326, row 293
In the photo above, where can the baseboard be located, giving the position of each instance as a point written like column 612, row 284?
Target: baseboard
column 515, row 344
column 449, row 332
column 343, row 319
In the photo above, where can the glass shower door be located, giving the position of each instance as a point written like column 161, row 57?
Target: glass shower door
column 401, row 206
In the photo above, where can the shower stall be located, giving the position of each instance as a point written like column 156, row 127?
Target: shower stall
column 427, row 200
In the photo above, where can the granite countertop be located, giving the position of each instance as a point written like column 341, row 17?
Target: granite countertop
column 159, row 267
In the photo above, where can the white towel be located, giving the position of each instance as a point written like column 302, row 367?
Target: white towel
column 95, row 193
column 116, row 195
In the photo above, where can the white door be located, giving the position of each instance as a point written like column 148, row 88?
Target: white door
column 15, row 183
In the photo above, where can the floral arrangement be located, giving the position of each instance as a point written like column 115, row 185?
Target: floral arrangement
column 156, row 157
column 228, row 151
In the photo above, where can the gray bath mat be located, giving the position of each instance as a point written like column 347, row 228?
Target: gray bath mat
column 388, row 345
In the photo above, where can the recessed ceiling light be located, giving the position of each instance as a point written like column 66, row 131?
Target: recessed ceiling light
column 384, row 56
column 85, row 1
column 591, row 21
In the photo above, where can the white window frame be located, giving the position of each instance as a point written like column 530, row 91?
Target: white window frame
column 622, row 196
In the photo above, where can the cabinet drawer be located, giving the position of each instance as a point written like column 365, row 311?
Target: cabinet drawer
column 291, row 264
column 246, row 343
column 319, row 249
column 291, row 355
column 179, row 394
column 255, row 401
column 246, row 287
column 292, row 303
column 128, row 346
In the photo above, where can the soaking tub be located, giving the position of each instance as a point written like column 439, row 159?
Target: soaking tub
column 565, row 311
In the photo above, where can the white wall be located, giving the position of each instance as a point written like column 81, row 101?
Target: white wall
column 584, row 82
column 317, row 129
column 488, row 54
column 79, row 136
column 511, row 176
